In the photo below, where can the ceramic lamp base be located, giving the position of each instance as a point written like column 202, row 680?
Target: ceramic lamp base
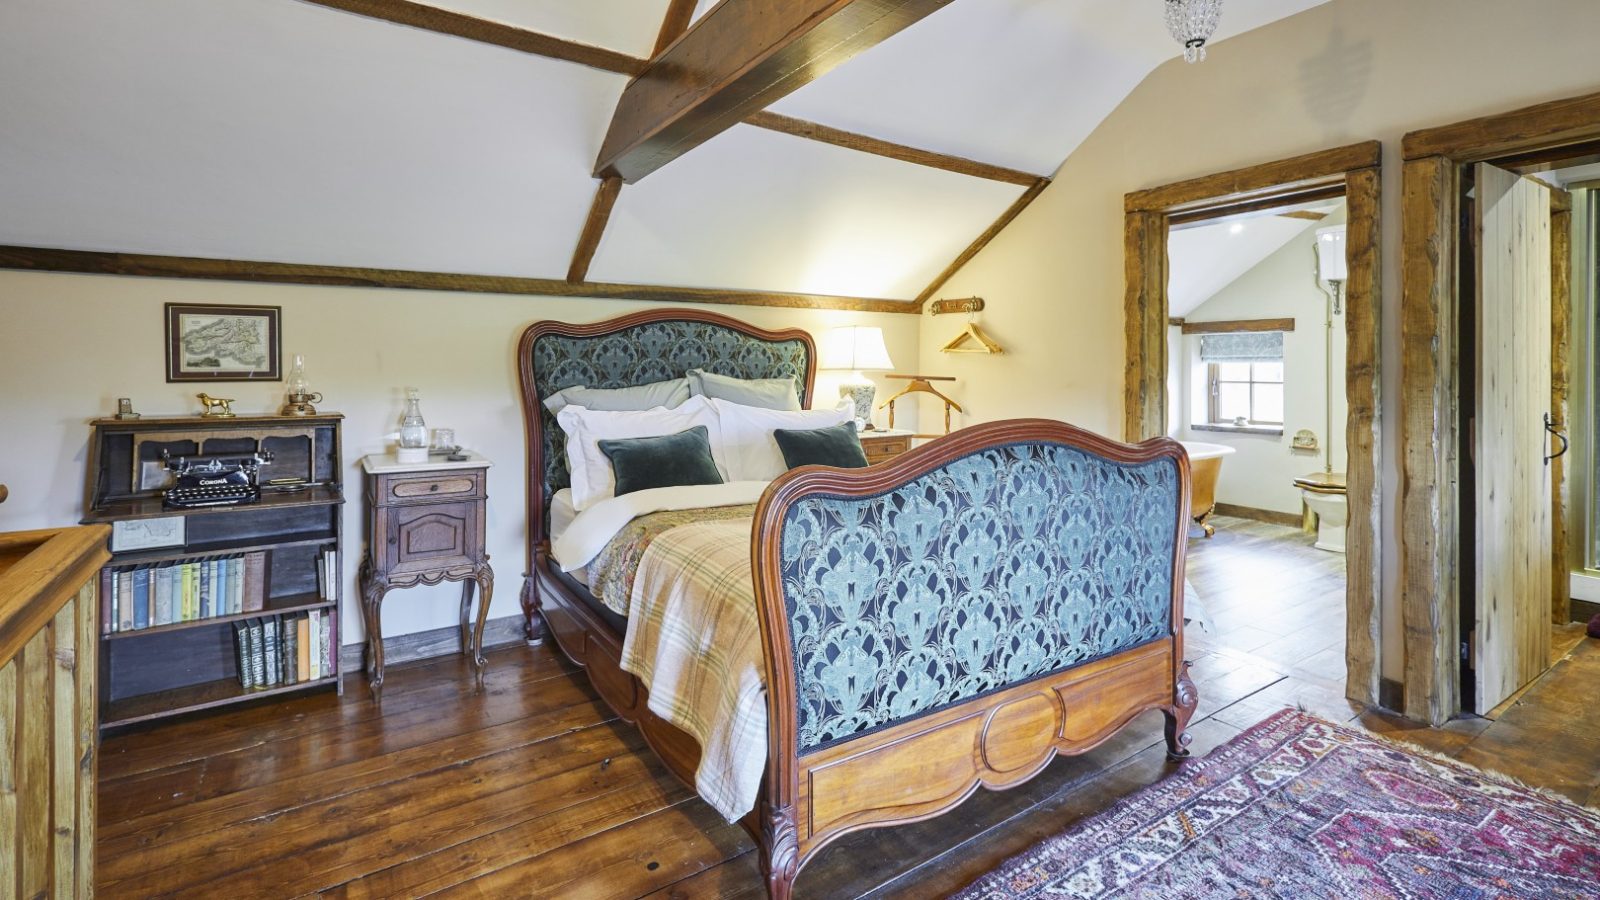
column 861, row 395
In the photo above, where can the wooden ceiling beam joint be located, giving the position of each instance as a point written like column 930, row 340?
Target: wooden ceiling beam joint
column 740, row 58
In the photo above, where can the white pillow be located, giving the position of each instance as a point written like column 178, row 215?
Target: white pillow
column 593, row 479
column 743, row 441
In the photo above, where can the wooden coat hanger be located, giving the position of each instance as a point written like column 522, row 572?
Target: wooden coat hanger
column 920, row 385
column 974, row 334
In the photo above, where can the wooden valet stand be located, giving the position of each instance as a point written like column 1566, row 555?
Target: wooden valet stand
column 921, row 384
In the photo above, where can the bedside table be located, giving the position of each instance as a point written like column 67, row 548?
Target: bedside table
column 885, row 444
column 425, row 524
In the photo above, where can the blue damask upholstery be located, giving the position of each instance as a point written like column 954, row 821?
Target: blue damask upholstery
column 653, row 351
column 1006, row 564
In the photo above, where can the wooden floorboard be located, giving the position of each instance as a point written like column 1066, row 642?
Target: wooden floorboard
column 528, row 786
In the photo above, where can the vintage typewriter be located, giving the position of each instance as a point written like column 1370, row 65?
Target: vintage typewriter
column 214, row 480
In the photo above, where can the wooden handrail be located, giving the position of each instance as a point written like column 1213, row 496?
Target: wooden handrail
column 39, row 572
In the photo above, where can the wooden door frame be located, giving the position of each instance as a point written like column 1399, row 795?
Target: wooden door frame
column 1351, row 172
column 1429, row 430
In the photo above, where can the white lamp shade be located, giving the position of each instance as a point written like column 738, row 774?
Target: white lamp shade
column 854, row 347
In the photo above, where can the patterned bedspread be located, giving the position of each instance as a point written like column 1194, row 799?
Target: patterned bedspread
column 611, row 572
column 683, row 580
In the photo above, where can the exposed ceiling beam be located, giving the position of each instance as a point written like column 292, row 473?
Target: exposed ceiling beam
column 673, row 27
column 589, row 240
column 852, row 141
column 42, row 259
column 739, row 58
column 983, row 240
column 680, row 14
column 444, row 21
column 1308, row 214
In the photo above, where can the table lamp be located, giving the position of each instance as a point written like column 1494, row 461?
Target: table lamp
column 856, row 349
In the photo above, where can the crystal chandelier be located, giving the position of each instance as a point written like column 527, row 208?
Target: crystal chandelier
column 1192, row 23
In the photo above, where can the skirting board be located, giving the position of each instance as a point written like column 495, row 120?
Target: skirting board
column 1583, row 610
column 1272, row 516
column 403, row 648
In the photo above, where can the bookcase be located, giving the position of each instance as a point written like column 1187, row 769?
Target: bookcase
column 192, row 595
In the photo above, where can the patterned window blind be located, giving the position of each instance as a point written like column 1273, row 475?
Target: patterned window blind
column 1243, row 346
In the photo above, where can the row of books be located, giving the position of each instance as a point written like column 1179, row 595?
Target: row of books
column 183, row 591
column 287, row 649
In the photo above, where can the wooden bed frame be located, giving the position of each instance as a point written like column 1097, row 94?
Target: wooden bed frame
column 908, row 771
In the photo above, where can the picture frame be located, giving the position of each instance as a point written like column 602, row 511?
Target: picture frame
column 223, row 342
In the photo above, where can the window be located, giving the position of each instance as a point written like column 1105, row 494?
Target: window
column 1246, row 393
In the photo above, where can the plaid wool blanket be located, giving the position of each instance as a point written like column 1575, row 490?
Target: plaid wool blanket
column 683, row 580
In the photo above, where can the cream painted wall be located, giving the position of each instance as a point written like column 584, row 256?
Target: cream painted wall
column 1261, row 474
column 71, row 344
column 1350, row 70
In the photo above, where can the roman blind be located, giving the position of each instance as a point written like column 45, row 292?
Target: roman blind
column 1242, row 346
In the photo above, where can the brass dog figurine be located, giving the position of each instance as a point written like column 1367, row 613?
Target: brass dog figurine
column 215, row 407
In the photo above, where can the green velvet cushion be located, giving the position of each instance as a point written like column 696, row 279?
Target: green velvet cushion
column 838, row 445
column 669, row 460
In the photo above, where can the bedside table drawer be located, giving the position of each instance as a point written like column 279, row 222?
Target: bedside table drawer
column 430, row 488
column 439, row 535
column 879, row 449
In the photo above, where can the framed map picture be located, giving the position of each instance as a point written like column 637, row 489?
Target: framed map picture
column 223, row 343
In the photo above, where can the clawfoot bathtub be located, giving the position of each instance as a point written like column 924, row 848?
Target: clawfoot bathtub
column 1205, row 466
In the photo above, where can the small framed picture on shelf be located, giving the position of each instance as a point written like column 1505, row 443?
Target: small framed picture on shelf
column 207, row 342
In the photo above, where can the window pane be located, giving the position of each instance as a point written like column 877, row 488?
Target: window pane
column 1267, row 371
column 1267, row 403
column 1233, row 371
column 1233, row 400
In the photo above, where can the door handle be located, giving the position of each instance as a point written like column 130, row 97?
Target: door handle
column 1550, row 427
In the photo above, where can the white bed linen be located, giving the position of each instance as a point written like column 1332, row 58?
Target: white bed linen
column 561, row 515
column 591, row 529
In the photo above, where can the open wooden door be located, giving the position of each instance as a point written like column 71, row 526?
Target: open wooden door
column 1515, row 547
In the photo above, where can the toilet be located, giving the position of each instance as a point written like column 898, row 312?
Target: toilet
column 1324, row 495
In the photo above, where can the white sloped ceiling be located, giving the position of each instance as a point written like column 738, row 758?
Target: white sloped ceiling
column 284, row 131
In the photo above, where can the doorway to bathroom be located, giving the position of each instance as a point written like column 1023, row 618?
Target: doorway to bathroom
column 1256, row 393
column 1260, row 351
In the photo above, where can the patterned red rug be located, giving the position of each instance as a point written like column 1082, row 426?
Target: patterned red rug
column 1300, row 807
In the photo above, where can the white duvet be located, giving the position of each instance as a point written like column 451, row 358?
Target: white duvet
column 594, row 527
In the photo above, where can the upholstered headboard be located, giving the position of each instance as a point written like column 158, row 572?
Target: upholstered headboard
column 631, row 350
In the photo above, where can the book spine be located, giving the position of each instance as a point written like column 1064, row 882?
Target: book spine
column 188, row 591
column 302, row 627
column 315, row 629
column 269, row 649
column 255, row 578
column 161, row 593
column 328, row 647
column 257, row 663
column 241, row 647
column 235, row 584
column 125, row 601
column 108, row 618
column 141, row 598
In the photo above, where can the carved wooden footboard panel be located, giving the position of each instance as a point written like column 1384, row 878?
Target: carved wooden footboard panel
column 957, row 618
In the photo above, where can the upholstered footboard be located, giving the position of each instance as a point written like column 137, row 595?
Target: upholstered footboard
column 959, row 617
